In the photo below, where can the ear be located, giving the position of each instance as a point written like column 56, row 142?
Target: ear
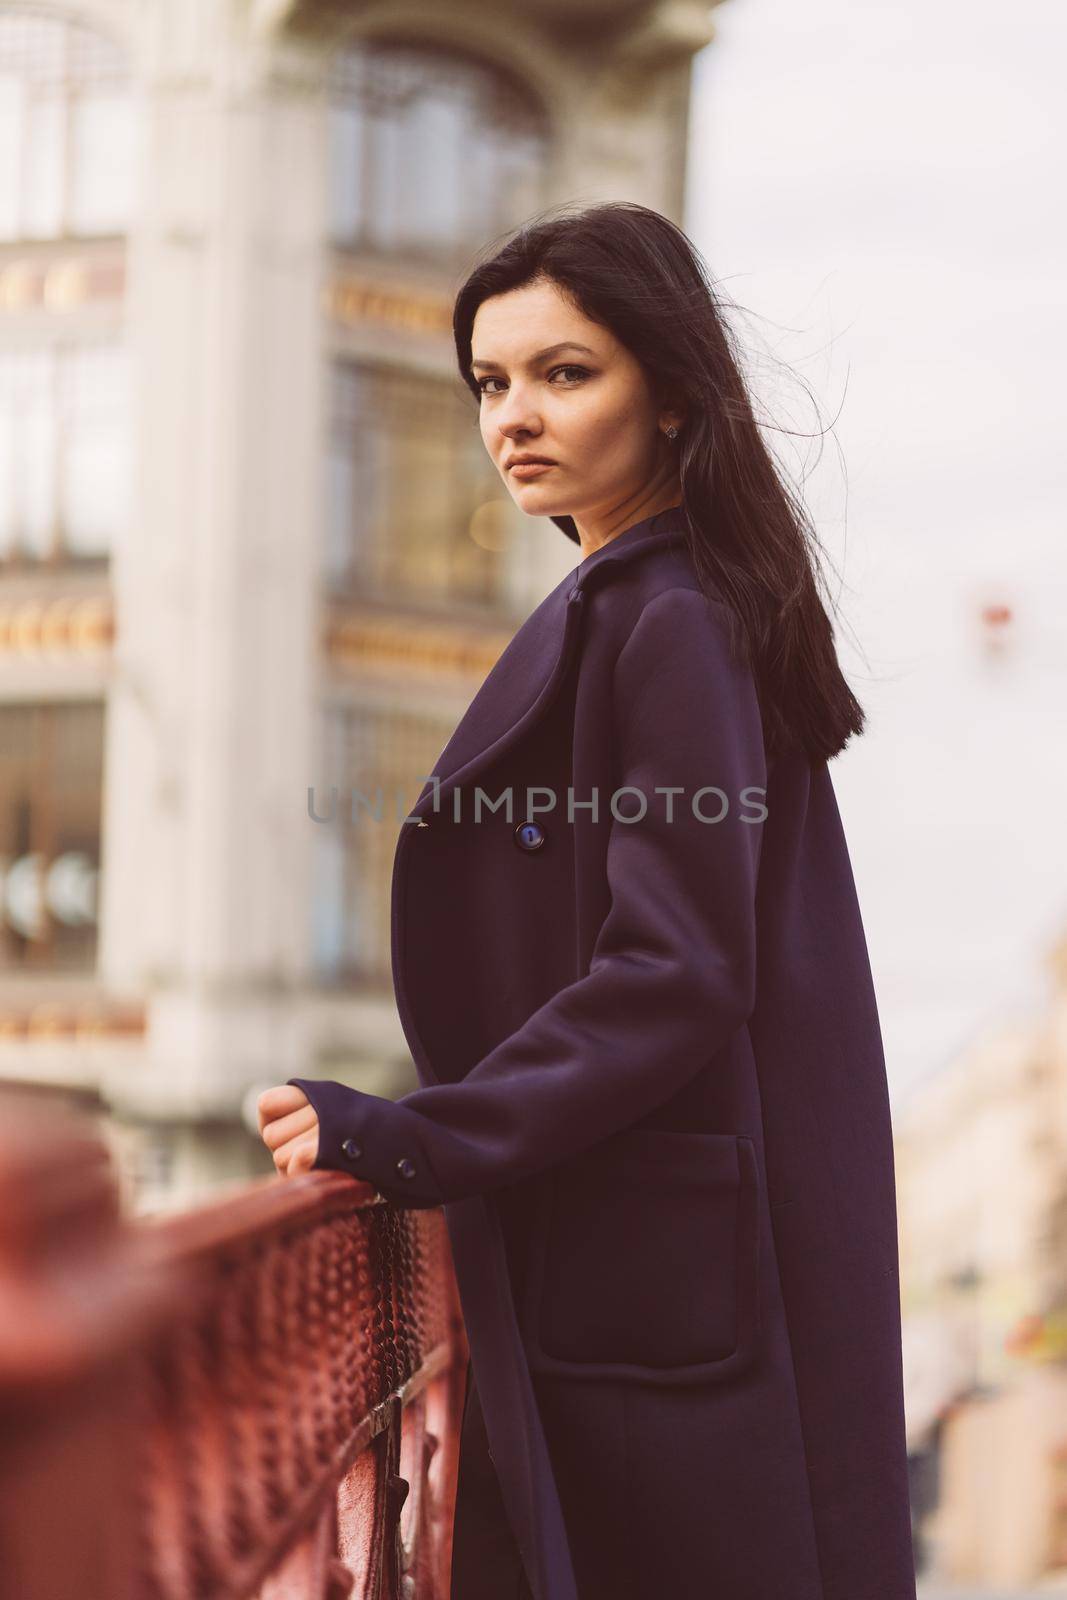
column 672, row 412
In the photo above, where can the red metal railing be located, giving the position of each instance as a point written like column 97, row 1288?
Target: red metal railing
column 260, row 1398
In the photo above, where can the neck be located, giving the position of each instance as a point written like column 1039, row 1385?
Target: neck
column 598, row 528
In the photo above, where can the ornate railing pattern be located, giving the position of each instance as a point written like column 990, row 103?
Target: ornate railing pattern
column 260, row 1398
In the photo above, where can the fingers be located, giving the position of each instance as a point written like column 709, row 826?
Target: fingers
column 274, row 1103
column 298, row 1155
column 289, row 1127
column 303, row 1157
column 282, row 1129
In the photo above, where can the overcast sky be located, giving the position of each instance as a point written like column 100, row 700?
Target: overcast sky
column 880, row 186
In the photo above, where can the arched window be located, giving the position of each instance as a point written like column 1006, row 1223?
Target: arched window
column 51, row 782
column 66, row 128
column 65, row 445
column 379, row 755
column 406, row 475
column 431, row 152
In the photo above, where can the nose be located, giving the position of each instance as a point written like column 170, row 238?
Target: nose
column 516, row 416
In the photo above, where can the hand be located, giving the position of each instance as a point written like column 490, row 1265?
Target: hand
column 289, row 1126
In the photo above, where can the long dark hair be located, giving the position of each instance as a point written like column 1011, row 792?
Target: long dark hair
column 751, row 539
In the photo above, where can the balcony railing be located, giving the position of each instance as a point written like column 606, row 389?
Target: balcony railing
column 258, row 1398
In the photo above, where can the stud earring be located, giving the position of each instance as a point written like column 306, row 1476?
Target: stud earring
column 671, row 431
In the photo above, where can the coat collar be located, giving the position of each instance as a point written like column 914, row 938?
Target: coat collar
column 524, row 679
column 638, row 539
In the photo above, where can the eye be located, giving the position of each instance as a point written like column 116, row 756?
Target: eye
column 581, row 371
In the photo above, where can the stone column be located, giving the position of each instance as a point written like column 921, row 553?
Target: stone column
column 212, row 712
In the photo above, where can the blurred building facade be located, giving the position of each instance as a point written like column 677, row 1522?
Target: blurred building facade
column 982, row 1188
column 253, row 555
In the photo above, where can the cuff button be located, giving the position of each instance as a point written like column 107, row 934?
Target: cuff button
column 352, row 1149
column 406, row 1167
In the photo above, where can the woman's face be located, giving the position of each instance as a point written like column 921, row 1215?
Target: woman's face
column 556, row 385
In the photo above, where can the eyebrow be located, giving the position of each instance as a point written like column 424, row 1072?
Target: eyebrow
column 542, row 355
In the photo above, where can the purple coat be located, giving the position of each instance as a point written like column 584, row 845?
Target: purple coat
column 654, row 1107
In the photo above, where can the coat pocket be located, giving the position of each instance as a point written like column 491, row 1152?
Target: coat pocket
column 645, row 1260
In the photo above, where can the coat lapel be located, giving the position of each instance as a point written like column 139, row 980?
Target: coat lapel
column 516, row 693
column 522, row 683
column 518, row 686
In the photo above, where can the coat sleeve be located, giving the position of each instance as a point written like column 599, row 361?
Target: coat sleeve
column 673, row 971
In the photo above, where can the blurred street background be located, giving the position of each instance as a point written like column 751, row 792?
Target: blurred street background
column 252, row 549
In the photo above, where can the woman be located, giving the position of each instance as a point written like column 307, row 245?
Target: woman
column 653, row 1094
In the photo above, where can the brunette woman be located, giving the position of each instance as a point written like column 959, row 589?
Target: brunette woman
column 653, row 1098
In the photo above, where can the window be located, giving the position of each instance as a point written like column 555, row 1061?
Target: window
column 430, row 152
column 67, row 136
column 51, row 767
column 64, row 451
column 407, row 476
column 365, row 749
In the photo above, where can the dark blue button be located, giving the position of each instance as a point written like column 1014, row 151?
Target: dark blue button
column 529, row 835
column 406, row 1167
column 352, row 1149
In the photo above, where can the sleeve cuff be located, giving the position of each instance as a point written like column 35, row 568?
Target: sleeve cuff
column 371, row 1138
